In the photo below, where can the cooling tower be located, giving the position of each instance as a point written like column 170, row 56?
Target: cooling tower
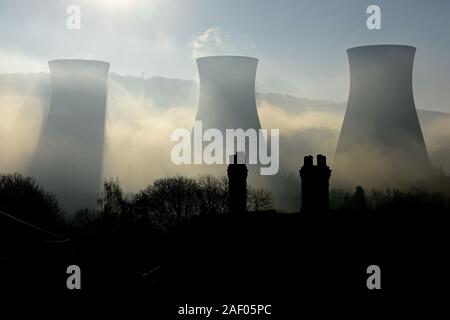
column 227, row 92
column 68, row 159
column 381, row 142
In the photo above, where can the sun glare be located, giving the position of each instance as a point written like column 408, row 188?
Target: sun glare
column 116, row 3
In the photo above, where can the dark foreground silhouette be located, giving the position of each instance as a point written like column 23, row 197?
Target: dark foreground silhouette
column 191, row 250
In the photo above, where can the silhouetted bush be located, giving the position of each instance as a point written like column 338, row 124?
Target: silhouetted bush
column 160, row 206
column 23, row 198
column 392, row 201
column 213, row 194
column 170, row 200
column 258, row 199
column 415, row 200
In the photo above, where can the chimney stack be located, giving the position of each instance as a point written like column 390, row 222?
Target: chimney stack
column 315, row 184
column 237, row 183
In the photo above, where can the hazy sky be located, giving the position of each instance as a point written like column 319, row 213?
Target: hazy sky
column 301, row 44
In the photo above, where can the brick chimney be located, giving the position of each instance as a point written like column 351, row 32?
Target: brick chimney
column 315, row 184
column 237, row 183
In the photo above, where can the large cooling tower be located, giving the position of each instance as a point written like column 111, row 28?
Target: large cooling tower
column 68, row 160
column 227, row 93
column 381, row 143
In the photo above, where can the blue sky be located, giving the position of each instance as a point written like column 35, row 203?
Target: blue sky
column 301, row 44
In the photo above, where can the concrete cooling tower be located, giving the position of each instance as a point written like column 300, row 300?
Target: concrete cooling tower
column 69, row 156
column 381, row 142
column 227, row 93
